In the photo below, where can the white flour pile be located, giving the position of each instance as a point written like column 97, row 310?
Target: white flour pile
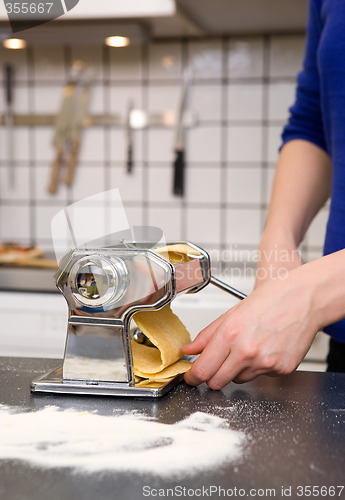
column 89, row 442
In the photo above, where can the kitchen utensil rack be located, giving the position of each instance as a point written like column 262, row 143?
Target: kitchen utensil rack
column 139, row 119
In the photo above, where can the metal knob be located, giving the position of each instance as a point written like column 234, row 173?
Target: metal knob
column 98, row 281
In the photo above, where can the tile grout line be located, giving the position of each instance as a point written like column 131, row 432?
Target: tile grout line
column 264, row 127
column 32, row 150
column 145, row 146
column 224, row 150
column 107, row 106
column 185, row 63
column 68, row 64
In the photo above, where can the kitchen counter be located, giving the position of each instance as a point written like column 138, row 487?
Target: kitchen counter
column 294, row 427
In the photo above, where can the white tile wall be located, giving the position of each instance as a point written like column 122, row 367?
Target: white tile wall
column 281, row 96
column 20, row 136
column 21, row 100
column 15, row 223
column 97, row 101
column 43, row 146
column 88, row 181
column 163, row 98
column 241, row 90
column 49, row 64
column 203, row 225
column 20, row 191
column 160, row 181
column 273, row 142
column 41, row 182
column 46, row 98
column 207, row 100
column 93, row 147
column 203, row 185
column 134, row 215
column 243, row 185
column 169, row 220
column 286, row 55
column 18, row 58
column 317, row 229
column 244, row 143
column 242, row 227
column 121, row 96
column 245, row 58
column 206, row 59
column 269, row 183
column 165, row 61
column 245, row 102
column 126, row 64
column 204, row 144
column 118, row 145
column 130, row 186
column 43, row 217
column 92, row 57
column 160, row 145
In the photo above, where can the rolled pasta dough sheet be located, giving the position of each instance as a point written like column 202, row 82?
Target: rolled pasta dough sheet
column 165, row 330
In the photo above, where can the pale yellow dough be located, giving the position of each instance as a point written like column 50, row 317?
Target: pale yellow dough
column 164, row 329
column 155, row 366
column 178, row 253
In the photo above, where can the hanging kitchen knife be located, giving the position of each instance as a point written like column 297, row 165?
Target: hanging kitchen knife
column 9, row 81
column 129, row 131
column 76, row 126
column 62, row 123
column 180, row 160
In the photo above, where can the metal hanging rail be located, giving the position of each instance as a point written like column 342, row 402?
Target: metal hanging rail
column 139, row 119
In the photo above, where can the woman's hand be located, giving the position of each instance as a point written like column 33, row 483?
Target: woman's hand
column 268, row 332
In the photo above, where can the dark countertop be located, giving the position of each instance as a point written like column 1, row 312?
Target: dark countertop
column 295, row 427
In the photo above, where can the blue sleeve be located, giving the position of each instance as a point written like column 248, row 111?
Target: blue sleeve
column 305, row 121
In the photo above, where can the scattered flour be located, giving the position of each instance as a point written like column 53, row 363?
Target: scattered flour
column 88, row 442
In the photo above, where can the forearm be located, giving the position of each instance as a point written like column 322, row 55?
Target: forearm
column 301, row 187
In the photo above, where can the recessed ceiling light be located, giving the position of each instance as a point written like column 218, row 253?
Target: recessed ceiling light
column 14, row 43
column 117, row 41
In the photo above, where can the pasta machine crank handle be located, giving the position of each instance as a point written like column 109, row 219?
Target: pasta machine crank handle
column 227, row 288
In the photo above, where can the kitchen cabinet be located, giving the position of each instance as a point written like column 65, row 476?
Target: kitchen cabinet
column 88, row 9
column 294, row 431
column 176, row 18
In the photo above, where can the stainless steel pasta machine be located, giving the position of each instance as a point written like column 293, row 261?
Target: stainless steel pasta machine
column 104, row 288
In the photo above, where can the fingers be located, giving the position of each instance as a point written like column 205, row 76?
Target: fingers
column 212, row 357
column 229, row 371
column 226, row 355
column 232, row 372
column 226, row 373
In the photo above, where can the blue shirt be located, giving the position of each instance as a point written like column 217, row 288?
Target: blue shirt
column 318, row 114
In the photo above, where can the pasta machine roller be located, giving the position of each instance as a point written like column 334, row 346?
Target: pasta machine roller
column 104, row 288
